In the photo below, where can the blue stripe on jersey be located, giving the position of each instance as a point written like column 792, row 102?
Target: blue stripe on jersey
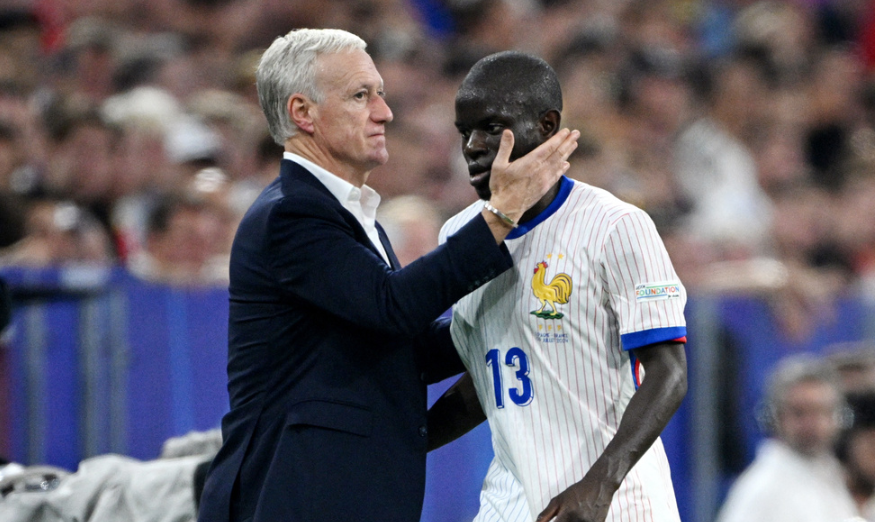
column 565, row 187
column 656, row 335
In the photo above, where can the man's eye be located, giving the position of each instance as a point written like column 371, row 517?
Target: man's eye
column 360, row 95
column 465, row 134
column 494, row 128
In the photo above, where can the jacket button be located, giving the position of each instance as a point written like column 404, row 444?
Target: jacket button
column 423, row 431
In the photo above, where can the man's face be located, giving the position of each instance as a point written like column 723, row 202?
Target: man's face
column 481, row 117
column 349, row 124
column 807, row 418
column 861, row 454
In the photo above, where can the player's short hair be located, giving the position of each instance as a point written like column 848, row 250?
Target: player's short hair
column 287, row 67
column 517, row 73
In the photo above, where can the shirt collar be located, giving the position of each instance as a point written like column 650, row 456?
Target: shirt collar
column 344, row 191
column 340, row 188
column 565, row 187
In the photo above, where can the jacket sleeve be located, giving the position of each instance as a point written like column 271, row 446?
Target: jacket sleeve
column 315, row 256
column 438, row 354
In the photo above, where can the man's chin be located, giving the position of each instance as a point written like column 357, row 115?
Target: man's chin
column 480, row 182
column 483, row 193
column 379, row 158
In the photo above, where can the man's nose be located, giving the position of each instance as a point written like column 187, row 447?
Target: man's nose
column 381, row 112
column 475, row 144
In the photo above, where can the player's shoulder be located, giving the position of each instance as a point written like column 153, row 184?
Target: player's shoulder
column 458, row 221
column 601, row 201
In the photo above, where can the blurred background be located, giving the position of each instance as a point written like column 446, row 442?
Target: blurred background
column 131, row 142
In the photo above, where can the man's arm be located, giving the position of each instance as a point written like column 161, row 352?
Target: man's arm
column 649, row 410
column 454, row 414
column 312, row 251
column 438, row 354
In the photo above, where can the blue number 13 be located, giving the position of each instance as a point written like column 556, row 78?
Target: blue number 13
column 515, row 356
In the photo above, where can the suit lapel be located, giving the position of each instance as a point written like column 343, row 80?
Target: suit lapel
column 384, row 239
column 291, row 173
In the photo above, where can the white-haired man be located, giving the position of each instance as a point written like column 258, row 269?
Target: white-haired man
column 795, row 476
column 331, row 342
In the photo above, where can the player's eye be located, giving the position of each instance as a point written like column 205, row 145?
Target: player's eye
column 360, row 95
column 494, row 128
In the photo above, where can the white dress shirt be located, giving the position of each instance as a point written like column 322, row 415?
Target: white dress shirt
column 360, row 202
column 783, row 486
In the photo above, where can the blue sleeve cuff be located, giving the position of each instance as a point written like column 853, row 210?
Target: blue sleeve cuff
column 635, row 340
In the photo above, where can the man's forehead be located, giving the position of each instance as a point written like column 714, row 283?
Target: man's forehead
column 345, row 68
column 489, row 92
column 496, row 102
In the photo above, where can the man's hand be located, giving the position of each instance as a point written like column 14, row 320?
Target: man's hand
column 517, row 185
column 586, row 501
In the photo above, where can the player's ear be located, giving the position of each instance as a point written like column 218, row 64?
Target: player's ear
column 548, row 123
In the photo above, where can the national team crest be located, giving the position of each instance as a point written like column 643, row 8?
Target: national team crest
column 554, row 293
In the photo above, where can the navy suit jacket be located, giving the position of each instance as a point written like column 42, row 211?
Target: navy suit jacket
column 329, row 353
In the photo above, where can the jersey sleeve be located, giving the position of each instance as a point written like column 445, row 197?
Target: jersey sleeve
column 643, row 288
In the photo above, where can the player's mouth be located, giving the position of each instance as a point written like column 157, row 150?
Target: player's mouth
column 478, row 173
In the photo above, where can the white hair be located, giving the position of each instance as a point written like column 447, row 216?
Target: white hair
column 795, row 370
column 287, row 67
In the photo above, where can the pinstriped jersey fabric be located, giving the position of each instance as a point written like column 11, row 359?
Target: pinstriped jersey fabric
column 547, row 346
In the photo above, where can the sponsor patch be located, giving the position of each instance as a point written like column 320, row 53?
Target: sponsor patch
column 657, row 291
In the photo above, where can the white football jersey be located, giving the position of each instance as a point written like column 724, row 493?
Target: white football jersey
column 547, row 344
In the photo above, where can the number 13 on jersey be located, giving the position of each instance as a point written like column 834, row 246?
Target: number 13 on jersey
column 515, row 358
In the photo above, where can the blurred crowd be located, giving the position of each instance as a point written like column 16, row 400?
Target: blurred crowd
column 130, row 131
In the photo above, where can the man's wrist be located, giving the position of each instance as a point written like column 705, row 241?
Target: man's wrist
column 501, row 215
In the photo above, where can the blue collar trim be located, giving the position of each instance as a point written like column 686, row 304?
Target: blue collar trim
column 565, row 187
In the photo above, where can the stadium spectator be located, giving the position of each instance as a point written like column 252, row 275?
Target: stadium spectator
column 12, row 204
column 187, row 243
column 59, row 232
column 856, row 450
column 716, row 170
column 854, row 362
column 795, row 476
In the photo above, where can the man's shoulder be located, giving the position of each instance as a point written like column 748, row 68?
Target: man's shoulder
column 277, row 204
column 290, row 193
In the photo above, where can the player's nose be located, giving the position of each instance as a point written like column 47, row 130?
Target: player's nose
column 475, row 145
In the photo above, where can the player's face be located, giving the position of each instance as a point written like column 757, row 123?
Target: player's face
column 349, row 124
column 481, row 117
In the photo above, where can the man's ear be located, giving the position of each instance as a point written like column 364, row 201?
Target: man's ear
column 548, row 123
column 300, row 109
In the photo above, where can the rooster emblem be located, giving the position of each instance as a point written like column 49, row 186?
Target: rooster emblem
column 557, row 291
